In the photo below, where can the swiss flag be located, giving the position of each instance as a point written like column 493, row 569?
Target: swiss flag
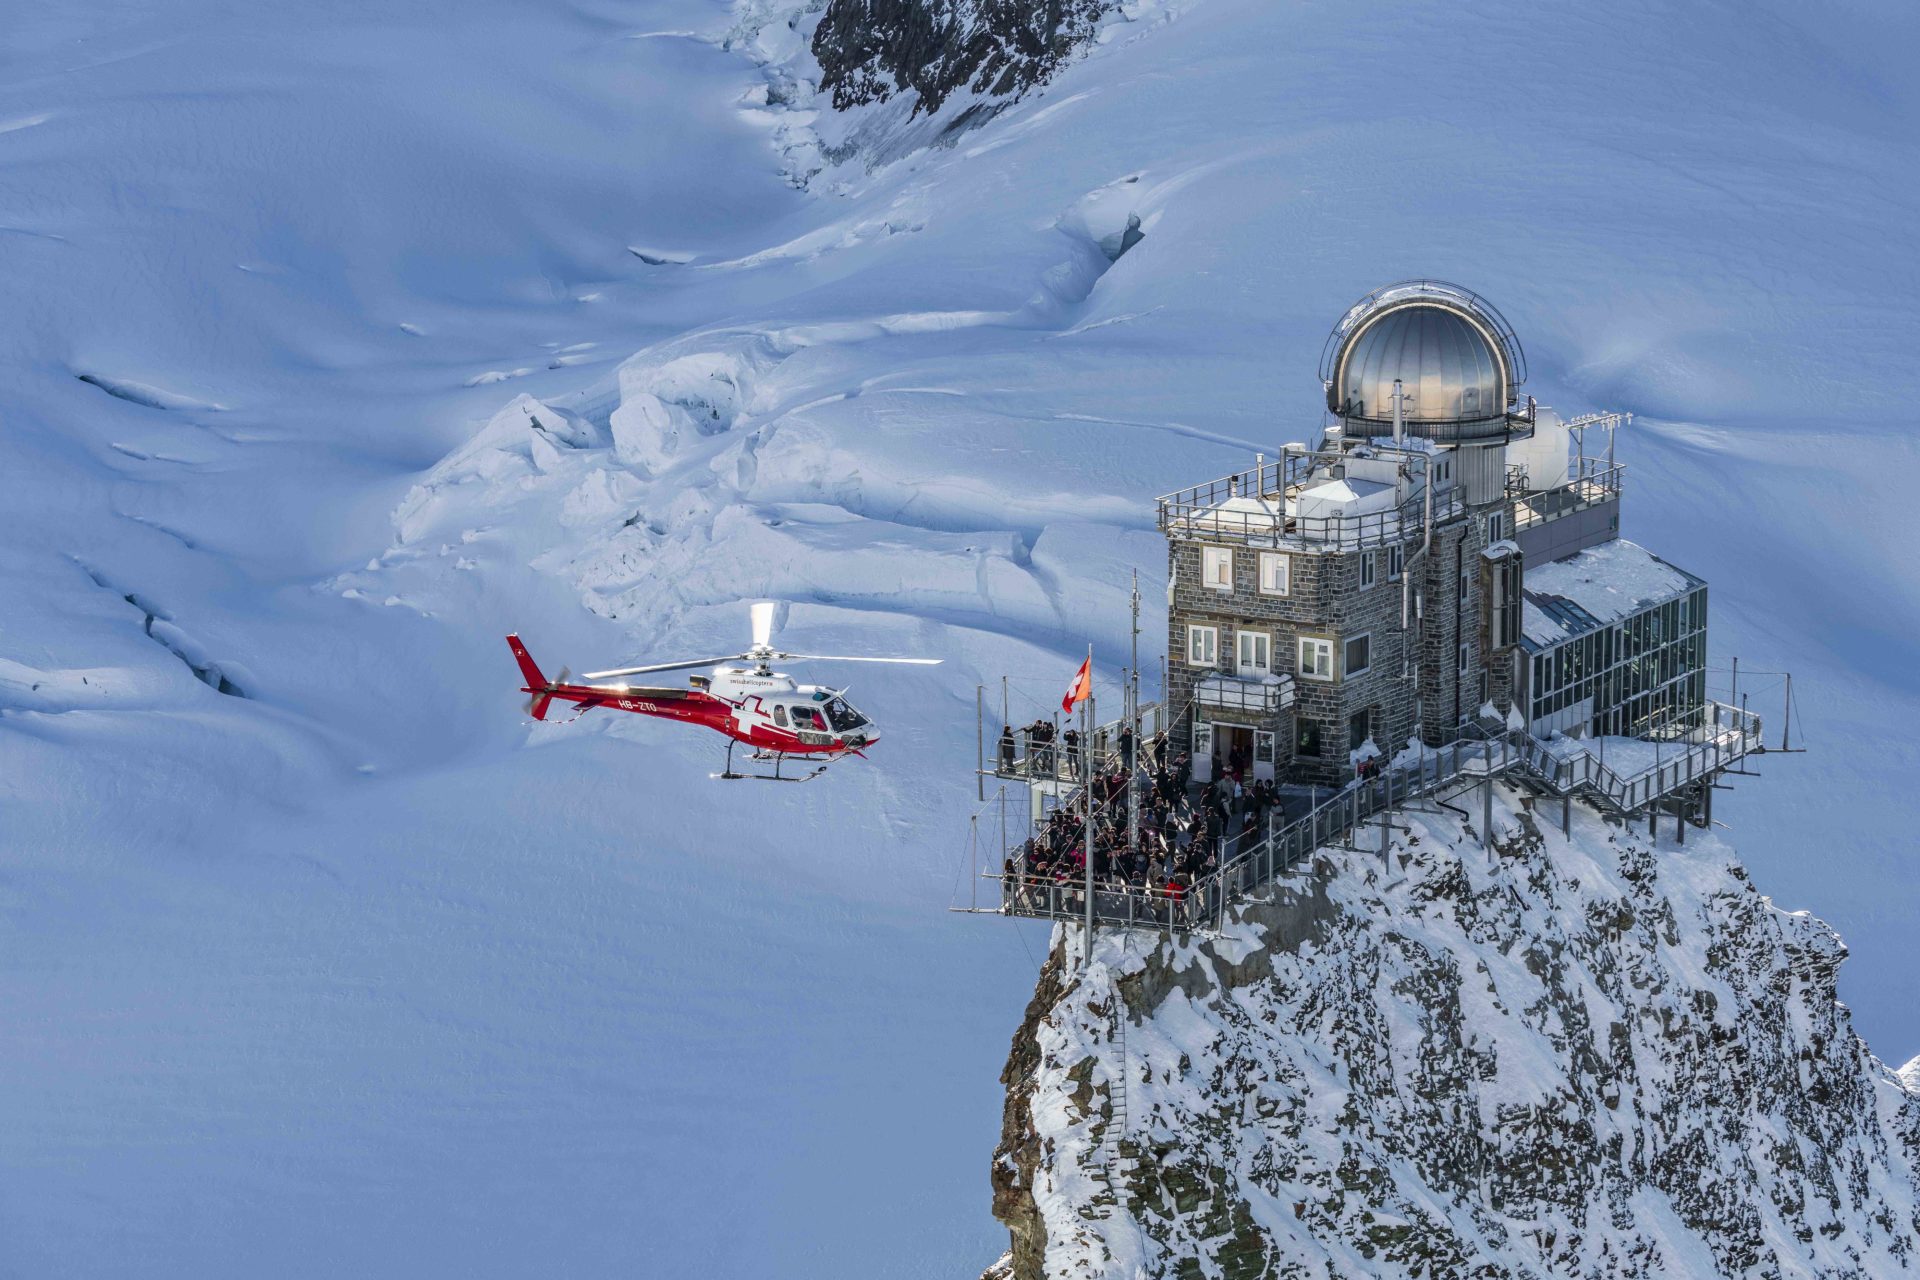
column 1082, row 687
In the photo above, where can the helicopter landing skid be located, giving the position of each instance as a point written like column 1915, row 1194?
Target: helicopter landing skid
column 776, row 776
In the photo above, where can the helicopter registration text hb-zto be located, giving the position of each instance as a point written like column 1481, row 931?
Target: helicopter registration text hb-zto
column 766, row 709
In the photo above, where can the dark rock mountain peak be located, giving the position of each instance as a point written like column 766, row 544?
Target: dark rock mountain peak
column 875, row 50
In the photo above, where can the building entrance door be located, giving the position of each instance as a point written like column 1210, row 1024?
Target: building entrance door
column 1233, row 746
column 1262, row 756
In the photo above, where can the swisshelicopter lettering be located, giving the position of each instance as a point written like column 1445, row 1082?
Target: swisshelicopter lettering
column 766, row 709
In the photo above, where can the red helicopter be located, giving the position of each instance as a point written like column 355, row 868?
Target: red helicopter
column 764, row 708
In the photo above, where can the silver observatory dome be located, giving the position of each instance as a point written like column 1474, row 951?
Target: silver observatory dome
column 1457, row 360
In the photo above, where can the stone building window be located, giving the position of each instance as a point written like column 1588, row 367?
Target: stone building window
column 1359, row 728
column 1306, row 738
column 1254, row 653
column 1276, row 573
column 1359, row 654
column 1316, row 658
column 1216, row 568
column 1496, row 527
column 1203, row 646
column 1396, row 562
column 1369, row 570
column 1464, row 588
column 1465, row 653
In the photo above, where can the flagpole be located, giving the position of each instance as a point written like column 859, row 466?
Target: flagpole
column 1086, row 783
column 1132, row 711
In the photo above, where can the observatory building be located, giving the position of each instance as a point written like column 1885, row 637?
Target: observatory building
column 1431, row 597
column 1447, row 553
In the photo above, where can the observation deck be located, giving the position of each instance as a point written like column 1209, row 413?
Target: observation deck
column 1273, row 505
column 1685, row 763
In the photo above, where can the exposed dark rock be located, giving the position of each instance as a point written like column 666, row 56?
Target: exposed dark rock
column 873, row 50
column 1590, row 1058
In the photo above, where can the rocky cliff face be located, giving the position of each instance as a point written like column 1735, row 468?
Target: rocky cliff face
column 1588, row 1057
column 903, row 75
column 873, row 50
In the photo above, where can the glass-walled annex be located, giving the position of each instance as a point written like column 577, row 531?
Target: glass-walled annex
column 1641, row 676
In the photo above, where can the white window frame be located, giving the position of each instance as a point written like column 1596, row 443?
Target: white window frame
column 1496, row 527
column 1315, row 656
column 1396, row 562
column 1212, row 636
column 1261, row 640
column 1465, row 659
column 1280, row 561
column 1464, row 592
column 1216, row 564
column 1369, row 570
column 1345, row 641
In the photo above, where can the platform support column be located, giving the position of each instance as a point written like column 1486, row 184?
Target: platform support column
column 1086, row 791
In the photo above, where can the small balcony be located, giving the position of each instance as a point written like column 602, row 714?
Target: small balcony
column 1596, row 481
column 1248, row 695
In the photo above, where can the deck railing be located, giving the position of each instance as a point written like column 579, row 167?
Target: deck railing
column 1200, row 513
column 1725, row 735
column 1594, row 481
column 1056, row 762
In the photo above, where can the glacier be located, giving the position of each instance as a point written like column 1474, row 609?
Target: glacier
column 341, row 343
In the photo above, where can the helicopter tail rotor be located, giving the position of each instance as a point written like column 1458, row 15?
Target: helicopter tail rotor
column 537, row 683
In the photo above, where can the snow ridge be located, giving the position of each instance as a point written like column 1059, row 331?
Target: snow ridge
column 1591, row 1057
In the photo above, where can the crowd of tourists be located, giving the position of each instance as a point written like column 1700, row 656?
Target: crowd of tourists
column 1185, row 830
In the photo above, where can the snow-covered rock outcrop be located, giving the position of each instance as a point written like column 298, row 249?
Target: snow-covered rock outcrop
column 1587, row 1057
column 872, row 50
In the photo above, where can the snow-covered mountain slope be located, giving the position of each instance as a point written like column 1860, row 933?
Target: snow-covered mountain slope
column 1593, row 1056
column 347, row 969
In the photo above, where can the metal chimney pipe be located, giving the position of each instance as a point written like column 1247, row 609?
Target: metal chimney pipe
column 1399, row 416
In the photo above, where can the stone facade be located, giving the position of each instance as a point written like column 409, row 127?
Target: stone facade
column 1415, row 680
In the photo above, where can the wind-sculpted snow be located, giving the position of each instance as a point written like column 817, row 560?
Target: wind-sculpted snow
column 410, row 324
column 1588, row 1057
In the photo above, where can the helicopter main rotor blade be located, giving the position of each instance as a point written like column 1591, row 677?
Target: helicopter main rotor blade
column 665, row 666
column 763, row 612
column 841, row 657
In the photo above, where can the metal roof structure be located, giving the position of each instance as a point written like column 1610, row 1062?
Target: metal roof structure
column 1457, row 360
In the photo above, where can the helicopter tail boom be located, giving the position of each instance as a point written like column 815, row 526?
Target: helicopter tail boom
column 537, row 684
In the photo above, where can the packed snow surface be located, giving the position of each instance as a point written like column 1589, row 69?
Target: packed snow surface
column 341, row 341
column 1610, row 582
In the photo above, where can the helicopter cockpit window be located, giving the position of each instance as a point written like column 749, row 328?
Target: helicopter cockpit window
column 843, row 716
column 780, row 715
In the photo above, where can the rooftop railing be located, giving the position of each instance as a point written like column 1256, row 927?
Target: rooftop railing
column 1250, row 507
column 1595, row 481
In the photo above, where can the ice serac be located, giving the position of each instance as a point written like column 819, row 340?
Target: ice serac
column 874, row 50
column 1583, row 1057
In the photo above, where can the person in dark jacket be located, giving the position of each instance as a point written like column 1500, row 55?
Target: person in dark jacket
column 1006, row 748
